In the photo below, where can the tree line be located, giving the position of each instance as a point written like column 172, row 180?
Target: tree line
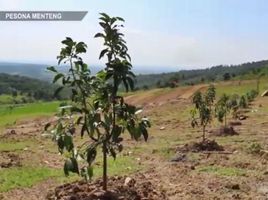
column 31, row 89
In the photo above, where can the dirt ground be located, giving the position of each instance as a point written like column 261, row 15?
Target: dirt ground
column 235, row 173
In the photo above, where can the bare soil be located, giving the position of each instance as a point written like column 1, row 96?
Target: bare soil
column 120, row 188
column 8, row 159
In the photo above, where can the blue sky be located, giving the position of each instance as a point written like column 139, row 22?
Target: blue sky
column 170, row 33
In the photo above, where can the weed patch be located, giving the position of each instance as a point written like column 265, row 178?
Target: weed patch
column 223, row 171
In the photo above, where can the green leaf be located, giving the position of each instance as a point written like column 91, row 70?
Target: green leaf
column 57, row 77
column 68, row 142
column 116, row 132
column 52, row 69
column 145, row 133
column 99, row 35
column 91, row 155
column 81, row 47
column 105, row 15
column 103, row 52
column 71, row 165
column 83, row 129
column 68, row 41
column 125, row 84
column 60, row 143
column 57, row 91
column 120, row 19
column 90, row 172
column 112, row 152
column 47, row 126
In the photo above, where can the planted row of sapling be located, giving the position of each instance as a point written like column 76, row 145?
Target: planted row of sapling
column 206, row 109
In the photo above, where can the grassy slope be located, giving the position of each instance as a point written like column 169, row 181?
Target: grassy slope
column 234, row 87
column 9, row 115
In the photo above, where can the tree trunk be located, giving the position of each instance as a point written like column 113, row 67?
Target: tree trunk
column 104, row 175
column 204, row 133
column 258, row 85
column 225, row 121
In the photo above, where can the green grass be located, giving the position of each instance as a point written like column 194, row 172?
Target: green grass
column 121, row 166
column 9, row 115
column 14, row 146
column 223, row 171
column 25, row 177
column 242, row 88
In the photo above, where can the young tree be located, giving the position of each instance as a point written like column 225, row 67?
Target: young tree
column 210, row 95
column 251, row 95
column 96, row 106
column 234, row 103
column 203, row 109
column 223, row 107
column 243, row 102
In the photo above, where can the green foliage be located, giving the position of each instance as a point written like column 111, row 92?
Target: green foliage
column 25, row 90
column 96, row 107
column 223, row 107
column 215, row 73
column 203, row 108
column 226, row 76
column 243, row 102
column 251, row 95
column 210, row 95
column 234, row 104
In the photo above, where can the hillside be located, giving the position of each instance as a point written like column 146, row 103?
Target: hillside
column 216, row 73
column 24, row 69
column 182, row 77
column 24, row 88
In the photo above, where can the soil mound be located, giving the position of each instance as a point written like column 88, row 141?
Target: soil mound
column 224, row 131
column 8, row 160
column 235, row 123
column 206, row 145
column 120, row 188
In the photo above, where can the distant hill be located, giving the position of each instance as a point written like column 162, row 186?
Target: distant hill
column 189, row 77
column 147, row 80
column 28, row 88
column 24, row 69
column 39, row 71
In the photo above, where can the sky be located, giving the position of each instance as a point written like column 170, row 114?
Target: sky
column 162, row 35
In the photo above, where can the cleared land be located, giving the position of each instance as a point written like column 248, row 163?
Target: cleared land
column 31, row 166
